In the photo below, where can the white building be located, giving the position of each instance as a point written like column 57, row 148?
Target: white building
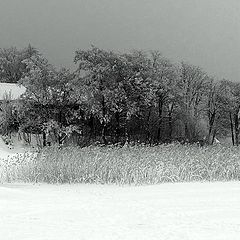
column 11, row 89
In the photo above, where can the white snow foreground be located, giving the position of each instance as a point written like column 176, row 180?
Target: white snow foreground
column 73, row 212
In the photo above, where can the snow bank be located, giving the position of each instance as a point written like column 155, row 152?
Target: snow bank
column 10, row 155
column 169, row 211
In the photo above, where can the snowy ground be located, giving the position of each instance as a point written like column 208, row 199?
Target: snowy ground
column 12, row 153
column 6, row 151
column 86, row 212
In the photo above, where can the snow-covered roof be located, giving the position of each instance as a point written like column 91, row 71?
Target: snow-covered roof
column 11, row 88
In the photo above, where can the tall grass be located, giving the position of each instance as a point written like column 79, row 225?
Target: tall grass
column 127, row 165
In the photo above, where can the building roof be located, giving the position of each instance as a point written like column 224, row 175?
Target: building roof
column 13, row 89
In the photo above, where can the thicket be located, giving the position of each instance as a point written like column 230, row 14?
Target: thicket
column 117, row 98
column 124, row 165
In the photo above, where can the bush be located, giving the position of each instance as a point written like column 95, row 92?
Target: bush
column 126, row 165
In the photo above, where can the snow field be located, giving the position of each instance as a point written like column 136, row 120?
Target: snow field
column 169, row 211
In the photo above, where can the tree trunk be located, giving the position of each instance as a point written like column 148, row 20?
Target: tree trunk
column 127, row 139
column 148, row 125
column 104, row 124
column 117, row 116
column 160, row 112
column 210, row 138
column 214, row 135
column 103, row 134
column 60, row 139
column 170, row 123
column 232, row 130
column 187, row 131
column 44, row 139
column 236, row 123
column 91, row 132
column 60, row 122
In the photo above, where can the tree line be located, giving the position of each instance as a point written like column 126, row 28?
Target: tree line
column 113, row 97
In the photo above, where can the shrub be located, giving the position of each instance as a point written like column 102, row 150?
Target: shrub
column 126, row 165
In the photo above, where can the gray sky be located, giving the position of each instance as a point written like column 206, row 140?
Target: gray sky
column 203, row 32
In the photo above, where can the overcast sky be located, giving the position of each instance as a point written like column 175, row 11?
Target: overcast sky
column 203, row 32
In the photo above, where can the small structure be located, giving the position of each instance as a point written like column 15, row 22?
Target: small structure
column 11, row 89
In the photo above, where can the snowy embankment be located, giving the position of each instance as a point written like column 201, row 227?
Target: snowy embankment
column 11, row 157
column 168, row 211
column 7, row 152
column 16, row 153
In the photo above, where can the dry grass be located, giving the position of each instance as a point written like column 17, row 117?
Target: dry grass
column 128, row 165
